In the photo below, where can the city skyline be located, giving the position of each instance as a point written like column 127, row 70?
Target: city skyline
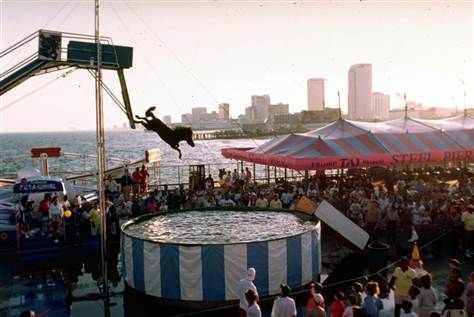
column 207, row 53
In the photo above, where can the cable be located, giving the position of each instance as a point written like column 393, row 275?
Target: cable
column 178, row 59
column 63, row 75
column 365, row 276
column 152, row 67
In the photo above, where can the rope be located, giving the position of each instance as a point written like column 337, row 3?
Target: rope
column 152, row 67
column 180, row 61
column 365, row 276
column 63, row 75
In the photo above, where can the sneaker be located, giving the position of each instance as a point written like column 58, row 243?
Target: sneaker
column 468, row 254
column 27, row 236
column 56, row 241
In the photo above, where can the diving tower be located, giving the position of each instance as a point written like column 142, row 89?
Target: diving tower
column 61, row 50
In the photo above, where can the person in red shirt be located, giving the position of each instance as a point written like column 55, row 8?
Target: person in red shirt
column 315, row 288
column 144, row 179
column 44, row 212
column 136, row 182
column 337, row 306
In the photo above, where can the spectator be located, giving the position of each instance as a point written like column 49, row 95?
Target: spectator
column 468, row 220
column 401, row 281
column 136, row 182
column 470, row 295
column 317, row 310
column 284, row 306
column 275, row 203
column 144, row 176
column 427, row 297
column 253, row 308
column 372, row 304
column 349, row 310
column 246, row 284
column 261, row 202
column 337, row 307
column 455, row 286
column 407, row 307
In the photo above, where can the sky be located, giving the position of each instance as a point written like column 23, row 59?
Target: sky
column 201, row 53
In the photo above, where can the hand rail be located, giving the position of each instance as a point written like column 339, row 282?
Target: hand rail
column 19, row 44
column 19, row 65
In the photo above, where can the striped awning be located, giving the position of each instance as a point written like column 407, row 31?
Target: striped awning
column 349, row 144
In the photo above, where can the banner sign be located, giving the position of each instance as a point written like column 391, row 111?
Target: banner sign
column 337, row 162
column 37, row 186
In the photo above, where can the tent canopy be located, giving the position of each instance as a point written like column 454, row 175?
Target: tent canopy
column 351, row 144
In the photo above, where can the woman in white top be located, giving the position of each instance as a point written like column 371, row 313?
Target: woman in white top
column 253, row 309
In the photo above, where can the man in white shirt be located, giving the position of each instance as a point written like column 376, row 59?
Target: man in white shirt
column 284, row 306
column 244, row 285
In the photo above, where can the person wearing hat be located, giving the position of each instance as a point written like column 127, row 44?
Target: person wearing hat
column 284, row 306
column 468, row 220
column 401, row 281
column 246, row 284
column 455, row 286
column 317, row 310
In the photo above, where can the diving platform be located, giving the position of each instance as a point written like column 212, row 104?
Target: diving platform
column 61, row 50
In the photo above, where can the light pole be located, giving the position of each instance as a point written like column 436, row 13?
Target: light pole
column 464, row 92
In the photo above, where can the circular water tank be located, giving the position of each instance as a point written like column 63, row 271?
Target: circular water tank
column 195, row 259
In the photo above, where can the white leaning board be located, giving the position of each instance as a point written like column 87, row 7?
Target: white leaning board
column 341, row 224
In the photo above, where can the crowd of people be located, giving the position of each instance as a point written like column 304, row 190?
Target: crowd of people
column 414, row 296
column 399, row 209
column 419, row 206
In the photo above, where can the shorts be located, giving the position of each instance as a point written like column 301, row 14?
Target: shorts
column 400, row 298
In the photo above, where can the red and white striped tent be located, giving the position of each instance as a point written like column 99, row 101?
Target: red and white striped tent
column 351, row 144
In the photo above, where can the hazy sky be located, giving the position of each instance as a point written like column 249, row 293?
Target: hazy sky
column 201, row 53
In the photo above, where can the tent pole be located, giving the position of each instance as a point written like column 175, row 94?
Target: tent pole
column 254, row 172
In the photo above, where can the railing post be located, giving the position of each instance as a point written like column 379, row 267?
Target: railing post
column 254, row 172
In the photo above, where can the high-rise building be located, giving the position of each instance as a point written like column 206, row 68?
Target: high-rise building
column 167, row 119
column 316, row 94
column 224, row 111
column 260, row 105
column 260, row 100
column 197, row 113
column 380, row 106
column 360, row 92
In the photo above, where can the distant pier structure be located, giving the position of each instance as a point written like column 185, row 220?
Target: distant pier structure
column 212, row 135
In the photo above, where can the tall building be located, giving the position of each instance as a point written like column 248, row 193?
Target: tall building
column 380, row 106
column 260, row 105
column 167, row 119
column 360, row 92
column 224, row 111
column 260, row 100
column 197, row 113
column 316, row 94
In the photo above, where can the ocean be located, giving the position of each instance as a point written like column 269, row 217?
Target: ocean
column 119, row 144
